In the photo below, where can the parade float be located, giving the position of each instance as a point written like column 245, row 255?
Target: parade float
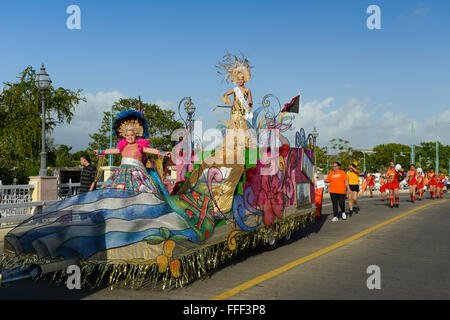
column 254, row 193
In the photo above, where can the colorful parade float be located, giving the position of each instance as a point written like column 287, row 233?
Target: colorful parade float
column 253, row 189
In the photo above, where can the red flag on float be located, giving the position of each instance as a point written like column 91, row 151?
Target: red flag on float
column 292, row 106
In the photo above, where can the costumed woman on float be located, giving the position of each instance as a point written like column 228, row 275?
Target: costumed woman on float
column 132, row 174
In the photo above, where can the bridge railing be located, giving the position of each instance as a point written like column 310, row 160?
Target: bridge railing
column 16, row 203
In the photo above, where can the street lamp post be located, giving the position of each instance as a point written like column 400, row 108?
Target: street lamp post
column 326, row 151
column 413, row 149
column 364, row 152
column 314, row 135
column 189, row 109
column 437, row 144
column 43, row 82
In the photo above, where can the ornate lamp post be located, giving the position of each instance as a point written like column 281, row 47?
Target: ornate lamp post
column 189, row 109
column 43, row 82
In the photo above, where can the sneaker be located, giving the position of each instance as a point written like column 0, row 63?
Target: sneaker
column 334, row 219
column 396, row 205
column 344, row 216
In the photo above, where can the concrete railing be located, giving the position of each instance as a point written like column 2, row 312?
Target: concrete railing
column 16, row 203
column 14, row 196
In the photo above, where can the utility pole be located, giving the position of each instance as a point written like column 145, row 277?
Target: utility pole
column 437, row 143
column 413, row 151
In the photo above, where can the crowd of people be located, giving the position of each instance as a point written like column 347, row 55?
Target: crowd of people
column 346, row 185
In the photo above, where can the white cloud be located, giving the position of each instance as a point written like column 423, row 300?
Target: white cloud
column 418, row 11
column 355, row 121
column 86, row 120
column 166, row 105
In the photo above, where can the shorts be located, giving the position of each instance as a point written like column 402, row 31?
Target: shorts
column 354, row 187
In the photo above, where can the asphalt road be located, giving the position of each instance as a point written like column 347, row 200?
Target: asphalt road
column 412, row 253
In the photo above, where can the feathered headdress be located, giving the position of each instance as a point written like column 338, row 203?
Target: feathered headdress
column 130, row 120
column 231, row 67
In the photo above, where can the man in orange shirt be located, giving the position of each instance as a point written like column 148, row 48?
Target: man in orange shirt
column 393, row 184
column 338, row 188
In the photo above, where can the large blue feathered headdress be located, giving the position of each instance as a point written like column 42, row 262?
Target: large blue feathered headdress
column 130, row 119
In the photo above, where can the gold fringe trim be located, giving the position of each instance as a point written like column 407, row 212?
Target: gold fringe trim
column 194, row 265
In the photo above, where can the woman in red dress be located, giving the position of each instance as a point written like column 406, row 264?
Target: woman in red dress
column 371, row 183
column 432, row 183
column 412, row 182
column 393, row 183
column 439, row 185
column 383, row 185
column 420, row 182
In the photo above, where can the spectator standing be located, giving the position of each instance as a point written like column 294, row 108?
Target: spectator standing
column 338, row 181
column 87, row 180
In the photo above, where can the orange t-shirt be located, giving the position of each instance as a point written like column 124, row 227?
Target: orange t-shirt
column 337, row 181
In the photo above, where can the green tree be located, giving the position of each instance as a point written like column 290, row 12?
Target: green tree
column 63, row 158
column 21, row 122
column 384, row 153
column 161, row 124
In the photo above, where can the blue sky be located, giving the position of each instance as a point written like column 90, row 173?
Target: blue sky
column 359, row 84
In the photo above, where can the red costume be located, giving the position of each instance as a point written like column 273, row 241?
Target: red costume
column 432, row 179
column 371, row 182
column 394, row 184
column 383, row 184
column 412, row 177
column 420, row 186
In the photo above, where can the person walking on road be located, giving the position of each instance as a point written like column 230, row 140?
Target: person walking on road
column 420, row 182
column 339, row 187
column 432, row 183
column 393, row 182
column 353, row 181
column 412, row 182
column 370, row 183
